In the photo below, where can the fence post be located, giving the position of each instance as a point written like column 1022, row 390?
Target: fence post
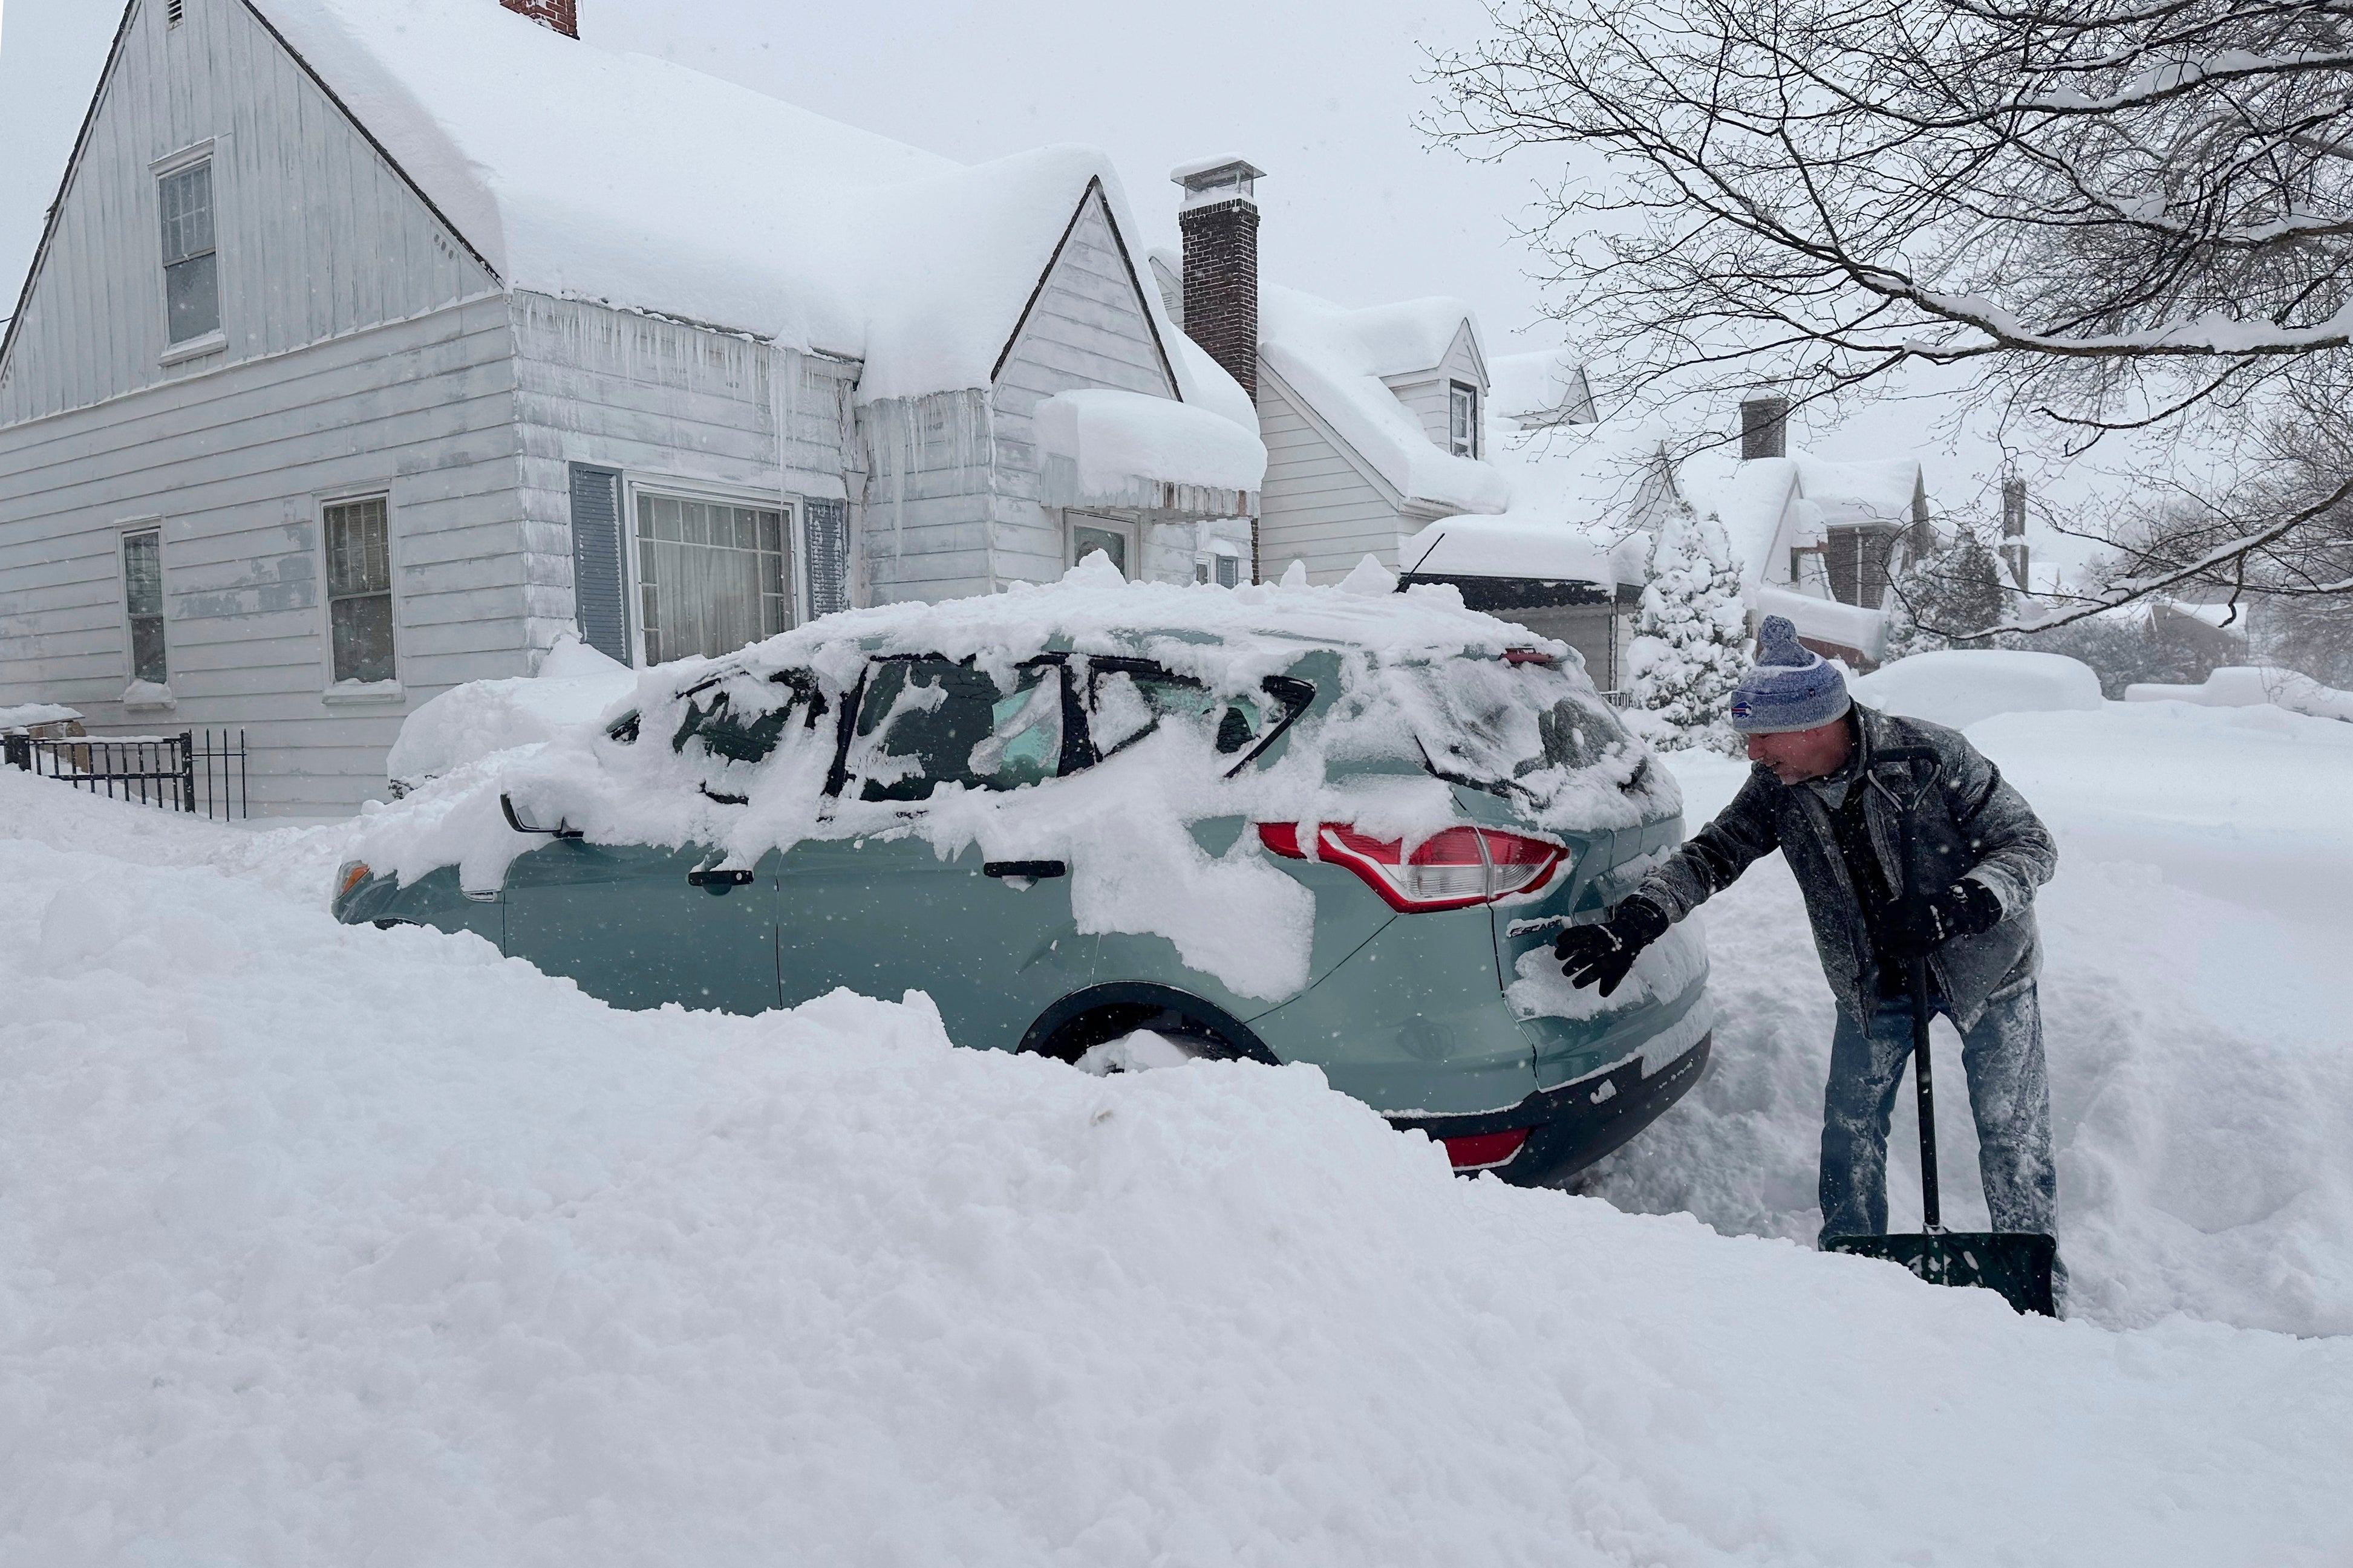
column 19, row 750
column 188, row 771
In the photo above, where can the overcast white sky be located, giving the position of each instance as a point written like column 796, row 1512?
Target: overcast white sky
column 1322, row 94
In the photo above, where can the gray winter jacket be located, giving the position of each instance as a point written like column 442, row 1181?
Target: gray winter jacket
column 1972, row 824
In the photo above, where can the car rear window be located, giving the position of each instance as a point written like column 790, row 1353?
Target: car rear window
column 1494, row 723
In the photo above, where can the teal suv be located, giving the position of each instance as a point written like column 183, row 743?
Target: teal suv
column 1425, row 988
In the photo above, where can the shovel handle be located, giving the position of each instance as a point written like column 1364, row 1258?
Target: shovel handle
column 1931, row 1210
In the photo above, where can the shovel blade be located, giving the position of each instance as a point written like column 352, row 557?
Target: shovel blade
column 2014, row 1265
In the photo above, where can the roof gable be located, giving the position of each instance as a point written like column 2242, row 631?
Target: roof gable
column 636, row 183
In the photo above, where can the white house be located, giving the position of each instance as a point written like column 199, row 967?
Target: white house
column 1374, row 419
column 1821, row 541
column 370, row 347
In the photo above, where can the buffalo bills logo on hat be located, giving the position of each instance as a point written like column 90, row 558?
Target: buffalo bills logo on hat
column 1740, row 709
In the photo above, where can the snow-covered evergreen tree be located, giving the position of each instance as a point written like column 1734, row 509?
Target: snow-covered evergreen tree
column 1689, row 650
column 1957, row 589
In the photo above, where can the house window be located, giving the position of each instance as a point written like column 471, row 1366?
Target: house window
column 1107, row 534
column 1462, row 419
column 191, row 266
column 359, row 589
column 142, row 597
column 712, row 577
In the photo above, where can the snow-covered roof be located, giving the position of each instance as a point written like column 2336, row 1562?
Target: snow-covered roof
column 1546, row 388
column 1513, row 545
column 1772, row 504
column 1336, row 357
column 1117, row 444
column 1827, row 620
column 1853, row 493
column 587, row 174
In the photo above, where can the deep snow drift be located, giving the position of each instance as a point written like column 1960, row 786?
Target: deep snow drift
column 323, row 1245
column 2198, row 1012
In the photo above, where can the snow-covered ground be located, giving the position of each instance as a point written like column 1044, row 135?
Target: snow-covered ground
column 332, row 1245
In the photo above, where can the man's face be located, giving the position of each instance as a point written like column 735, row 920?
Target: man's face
column 1796, row 755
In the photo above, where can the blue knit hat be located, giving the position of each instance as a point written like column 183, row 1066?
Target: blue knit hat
column 1792, row 686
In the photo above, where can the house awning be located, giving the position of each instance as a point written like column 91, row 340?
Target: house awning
column 1128, row 450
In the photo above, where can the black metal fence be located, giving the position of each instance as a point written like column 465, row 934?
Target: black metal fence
column 198, row 772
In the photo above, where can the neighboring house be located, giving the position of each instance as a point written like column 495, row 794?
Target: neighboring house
column 370, row 348
column 1821, row 541
column 1374, row 419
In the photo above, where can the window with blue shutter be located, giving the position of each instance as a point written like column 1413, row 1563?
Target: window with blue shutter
column 600, row 592
column 825, row 525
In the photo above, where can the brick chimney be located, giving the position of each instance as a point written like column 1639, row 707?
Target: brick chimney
column 2013, row 530
column 560, row 14
column 1219, row 223
column 1764, row 428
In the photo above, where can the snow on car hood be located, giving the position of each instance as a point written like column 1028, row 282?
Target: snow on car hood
column 1401, row 681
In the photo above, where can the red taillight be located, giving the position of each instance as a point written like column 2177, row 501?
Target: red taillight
column 1529, row 656
column 1485, row 1150
column 1451, row 870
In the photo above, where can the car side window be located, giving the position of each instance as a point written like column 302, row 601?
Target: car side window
column 739, row 717
column 929, row 721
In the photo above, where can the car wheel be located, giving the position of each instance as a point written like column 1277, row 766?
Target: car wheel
column 1101, row 1015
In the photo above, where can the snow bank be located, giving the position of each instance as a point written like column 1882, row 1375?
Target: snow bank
column 1336, row 358
column 2196, row 1007
column 1112, row 441
column 329, row 1244
column 576, row 685
column 2248, row 686
column 1958, row 687
column 1409, row 676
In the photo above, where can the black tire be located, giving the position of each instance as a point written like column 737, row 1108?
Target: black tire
column 1099, row 1013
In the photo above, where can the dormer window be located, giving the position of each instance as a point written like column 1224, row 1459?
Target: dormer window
column 191, row 265
column 1462, row 420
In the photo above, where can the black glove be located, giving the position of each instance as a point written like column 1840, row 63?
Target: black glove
column 1605, row 952
column 1917, row 929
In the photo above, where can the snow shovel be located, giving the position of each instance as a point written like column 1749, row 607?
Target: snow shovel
column 2015, row 1265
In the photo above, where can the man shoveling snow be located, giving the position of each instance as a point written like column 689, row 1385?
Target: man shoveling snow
column 1980, row 853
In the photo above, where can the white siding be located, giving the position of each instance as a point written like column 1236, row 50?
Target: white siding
column 1088, row 328
column 925, row 528
column 1425, row 392
column 659, row 400
column 317, row 235
column 237, row 463
column 1319, row 505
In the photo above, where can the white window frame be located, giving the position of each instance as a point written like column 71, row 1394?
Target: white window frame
column 635, row 484
column 162, row 168
column 380, row 691
column 1074, row 519
column 1472, row 426
column 123, row 530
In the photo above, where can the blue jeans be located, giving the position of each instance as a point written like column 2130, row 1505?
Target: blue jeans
column 2009, row 1093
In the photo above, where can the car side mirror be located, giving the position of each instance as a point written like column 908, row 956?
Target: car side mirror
column 561, row 830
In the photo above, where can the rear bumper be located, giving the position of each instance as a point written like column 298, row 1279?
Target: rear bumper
column 1572, row 1126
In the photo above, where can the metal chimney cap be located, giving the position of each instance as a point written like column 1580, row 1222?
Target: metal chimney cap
column 1204, row 172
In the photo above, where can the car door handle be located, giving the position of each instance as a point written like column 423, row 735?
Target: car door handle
column 719, row 881
column 1029, row 870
